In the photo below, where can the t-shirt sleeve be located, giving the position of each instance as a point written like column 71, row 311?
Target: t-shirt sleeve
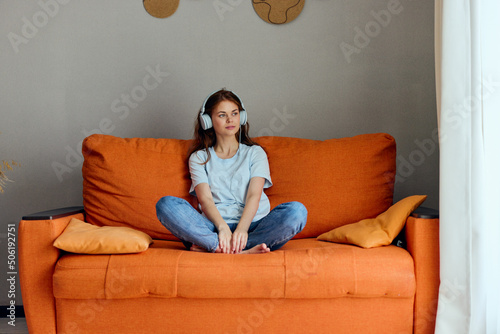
column 260, row 165
column 197, row 170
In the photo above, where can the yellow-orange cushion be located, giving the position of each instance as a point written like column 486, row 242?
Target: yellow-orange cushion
column 84, row 238
column 379, row 231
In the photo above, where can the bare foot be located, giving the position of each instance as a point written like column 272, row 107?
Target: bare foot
column 196, row 248
column 259, row 249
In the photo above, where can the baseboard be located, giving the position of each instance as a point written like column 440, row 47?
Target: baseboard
column 5, row 312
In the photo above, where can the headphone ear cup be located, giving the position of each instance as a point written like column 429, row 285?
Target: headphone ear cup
column 206, row 121
column 243, row 117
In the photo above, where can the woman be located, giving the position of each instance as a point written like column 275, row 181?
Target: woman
column 229, row 173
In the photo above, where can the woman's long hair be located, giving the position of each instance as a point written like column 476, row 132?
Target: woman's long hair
column 203, row 139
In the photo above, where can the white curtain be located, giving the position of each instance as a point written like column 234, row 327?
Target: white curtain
column 468, row 99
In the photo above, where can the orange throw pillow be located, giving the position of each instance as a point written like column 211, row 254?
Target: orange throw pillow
column 84, row 238
column 379, row 231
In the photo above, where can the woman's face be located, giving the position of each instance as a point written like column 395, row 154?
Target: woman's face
column 226, row 118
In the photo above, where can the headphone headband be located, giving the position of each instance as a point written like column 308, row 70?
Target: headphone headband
column 206, row 120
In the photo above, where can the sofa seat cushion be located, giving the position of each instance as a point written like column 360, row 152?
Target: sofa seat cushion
column 304, row 268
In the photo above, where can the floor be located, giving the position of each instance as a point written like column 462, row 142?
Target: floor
column 20, row 327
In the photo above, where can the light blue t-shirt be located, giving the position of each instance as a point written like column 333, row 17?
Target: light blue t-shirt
column 229, row 179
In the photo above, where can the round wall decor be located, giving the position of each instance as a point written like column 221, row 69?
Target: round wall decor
column 278, row 11
column 161, row 8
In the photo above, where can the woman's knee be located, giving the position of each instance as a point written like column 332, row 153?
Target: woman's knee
column 297, row 215
column 166, row 204
column 297, row 209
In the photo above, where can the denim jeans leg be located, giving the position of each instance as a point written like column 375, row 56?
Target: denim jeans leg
column 279, row 226
column 187, row 224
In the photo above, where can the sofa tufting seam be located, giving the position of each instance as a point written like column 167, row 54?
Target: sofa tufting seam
column 175, row 291
column 239, row 266
column 355, row 273
column 284, row 275
column 106, row 278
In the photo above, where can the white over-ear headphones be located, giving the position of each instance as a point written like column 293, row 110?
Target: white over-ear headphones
column 206, row 120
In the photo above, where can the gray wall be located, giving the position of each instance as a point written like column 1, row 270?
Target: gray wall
column 70, row 68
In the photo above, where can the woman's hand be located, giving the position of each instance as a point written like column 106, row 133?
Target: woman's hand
column 206, row 200
column 239, row 241
column 225, row 240
column 240, row 235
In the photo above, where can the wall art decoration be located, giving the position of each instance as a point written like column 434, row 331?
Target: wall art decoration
column 278, row 11
column 161, row 8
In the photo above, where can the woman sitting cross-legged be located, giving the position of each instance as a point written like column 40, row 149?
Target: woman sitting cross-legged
column 229, row 173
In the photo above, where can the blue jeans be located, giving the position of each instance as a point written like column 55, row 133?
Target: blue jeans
column 191, row 227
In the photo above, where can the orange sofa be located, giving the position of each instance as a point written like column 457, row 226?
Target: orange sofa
column 308, row 286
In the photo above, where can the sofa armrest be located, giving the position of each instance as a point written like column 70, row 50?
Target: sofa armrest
column 422, row 237
column 37, row 260
column 425, row 213
column 55, row 213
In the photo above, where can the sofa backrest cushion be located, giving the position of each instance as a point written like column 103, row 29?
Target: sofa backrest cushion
column 124, row 178
column 340, row 181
